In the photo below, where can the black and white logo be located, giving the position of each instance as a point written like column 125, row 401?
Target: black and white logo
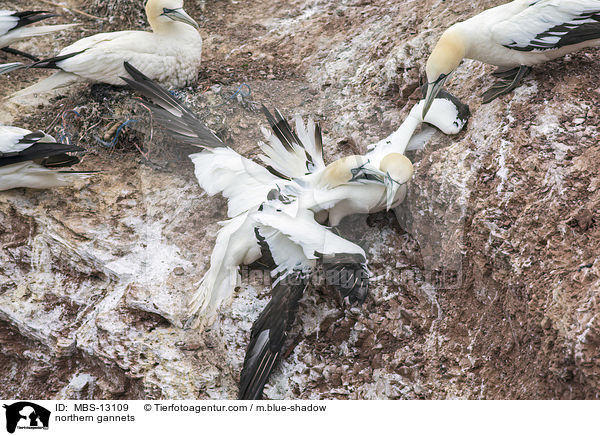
column 26, row 415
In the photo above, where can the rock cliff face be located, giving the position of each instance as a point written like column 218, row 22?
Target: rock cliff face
column 486, row 280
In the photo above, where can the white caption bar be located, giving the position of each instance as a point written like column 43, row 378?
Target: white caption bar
column 89, row 418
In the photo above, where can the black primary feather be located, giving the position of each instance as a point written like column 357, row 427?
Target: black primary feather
column 277, row 173
column 50, row 63
column 60, row 161
column 268, row 336
column 30, row 17
column 279, row 128
column 287, row 130
column 173, row 115
column 42, row 151
column 319, row 140
column 32, row 138
column 288, row 136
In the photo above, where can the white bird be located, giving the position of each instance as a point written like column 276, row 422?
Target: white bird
column 274, row 208
column 295, row 236
column 514, row 36
column 13, row 28
column 302, row 189
column 34, row 160
column 170, row 54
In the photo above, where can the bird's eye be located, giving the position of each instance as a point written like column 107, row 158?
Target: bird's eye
column 167, row 11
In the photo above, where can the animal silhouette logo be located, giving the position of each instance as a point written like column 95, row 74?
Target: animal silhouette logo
column 26, row 415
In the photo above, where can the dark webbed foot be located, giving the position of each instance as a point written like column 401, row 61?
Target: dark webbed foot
column 508, row 80
column 20, row 53
column 349, row 275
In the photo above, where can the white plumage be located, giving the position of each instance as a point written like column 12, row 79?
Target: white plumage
column 32, row 160
column 170, row 54
column 516, row 35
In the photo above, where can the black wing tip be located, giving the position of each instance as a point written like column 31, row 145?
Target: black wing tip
column 64, row 148
column 176, row 117
column 29, row 17
column 50, row 63
column 51, row 154
column 277, row 319
column 134, row 72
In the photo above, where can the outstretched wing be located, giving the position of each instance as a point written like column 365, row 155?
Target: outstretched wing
column 550, row 24
column 242, row 181
column 296, row 243
column 292, row 153
column 218, row 168
column 173, row 115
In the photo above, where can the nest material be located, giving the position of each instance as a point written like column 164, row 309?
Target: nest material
column 128, row 13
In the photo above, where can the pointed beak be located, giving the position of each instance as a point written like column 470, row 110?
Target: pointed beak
column 182, row 16
column 433, row 89
column 368, row 172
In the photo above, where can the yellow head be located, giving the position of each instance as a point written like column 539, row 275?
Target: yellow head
column 162, row 14
column 398, row 170
column 444, row 59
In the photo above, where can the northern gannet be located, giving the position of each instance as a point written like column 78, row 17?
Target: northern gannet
column 514, row 36
column 295, row 177
column 276, row 207
column 33, row 160
column 170, row 54
column 295, row 170
column 13, row 28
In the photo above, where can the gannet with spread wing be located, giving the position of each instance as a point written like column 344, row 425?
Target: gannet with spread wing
column 276, row 207
column 295, row 174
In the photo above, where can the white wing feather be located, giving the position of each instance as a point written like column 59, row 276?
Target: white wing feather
column 7, row 22
column 243, row 182
column 293, row 163
column 296, row 241
column 235, row 245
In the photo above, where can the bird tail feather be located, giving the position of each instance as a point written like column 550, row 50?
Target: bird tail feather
column 28, row 32
column 59, row 79
column 7, row 68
